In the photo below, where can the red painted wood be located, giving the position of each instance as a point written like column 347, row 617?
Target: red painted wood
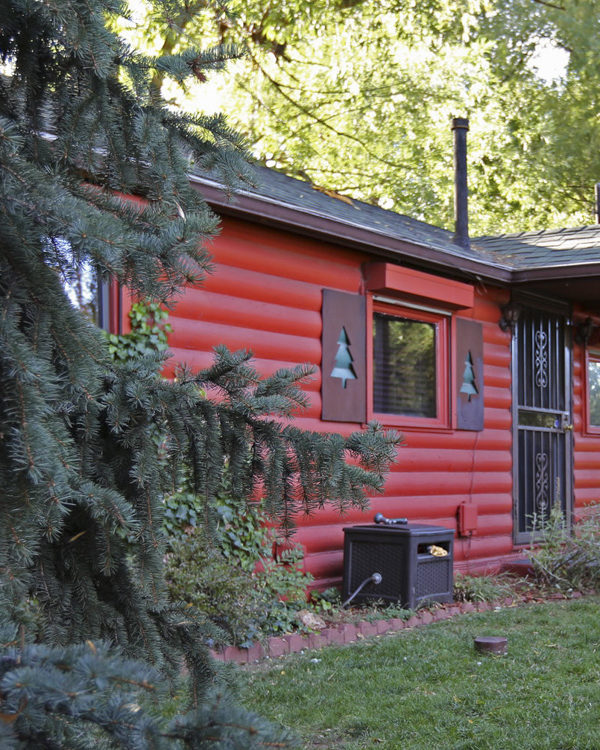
column 205, row 335
column 488, row 546
column 321, row 538
column 586, row 445
column 489, row 440
column 263, row 249
column 325, row 565
column 114, row 307
column 588, row 461
column 236, row 311
column 266, row 287
column 390, row 278
column 265, row 295
column 451, row 460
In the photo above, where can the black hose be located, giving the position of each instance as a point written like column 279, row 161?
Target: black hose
column 375, row 578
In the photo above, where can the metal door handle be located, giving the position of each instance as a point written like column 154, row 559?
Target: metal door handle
column 565, row 424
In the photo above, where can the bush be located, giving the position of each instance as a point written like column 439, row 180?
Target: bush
column 224, row 567
column 568, row 558
column 481, row 588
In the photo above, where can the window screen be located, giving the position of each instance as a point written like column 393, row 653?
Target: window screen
column 404, row 366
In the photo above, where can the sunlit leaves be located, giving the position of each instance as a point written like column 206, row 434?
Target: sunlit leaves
column 357, row 96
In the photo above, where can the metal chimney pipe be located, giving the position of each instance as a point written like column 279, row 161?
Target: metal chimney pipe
column 597, row 207
column 460, row 126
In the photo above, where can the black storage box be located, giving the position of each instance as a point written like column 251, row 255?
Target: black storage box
column 410, row 574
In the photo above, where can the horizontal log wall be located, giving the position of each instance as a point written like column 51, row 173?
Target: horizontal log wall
column 265, row 295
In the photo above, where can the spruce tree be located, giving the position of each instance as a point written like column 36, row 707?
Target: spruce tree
column 88, row 447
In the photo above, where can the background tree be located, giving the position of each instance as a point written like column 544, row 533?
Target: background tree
column 357, row 95
column 82, row 125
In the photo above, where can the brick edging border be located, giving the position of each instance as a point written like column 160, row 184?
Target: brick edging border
column 291, row 643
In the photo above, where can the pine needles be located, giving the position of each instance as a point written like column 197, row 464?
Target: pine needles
column 93, row 175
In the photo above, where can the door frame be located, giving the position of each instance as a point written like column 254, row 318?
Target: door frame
column 522, row 300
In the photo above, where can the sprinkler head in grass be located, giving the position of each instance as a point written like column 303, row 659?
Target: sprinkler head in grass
column 491, row 644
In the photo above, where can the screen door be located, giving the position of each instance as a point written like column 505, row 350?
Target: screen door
column 542, row 419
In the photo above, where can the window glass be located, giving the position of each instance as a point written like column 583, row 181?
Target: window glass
column 594, row 389
column 79, row 280
column 404, row 366
column 82, row 289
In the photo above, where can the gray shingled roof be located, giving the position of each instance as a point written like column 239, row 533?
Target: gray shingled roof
column 308, row 198
column 304, row 197
column 545, row 249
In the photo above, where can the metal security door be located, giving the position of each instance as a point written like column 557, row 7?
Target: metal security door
column 542, row 419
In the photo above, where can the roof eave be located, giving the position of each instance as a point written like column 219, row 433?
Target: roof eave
column 309, row 223
column 563, row 272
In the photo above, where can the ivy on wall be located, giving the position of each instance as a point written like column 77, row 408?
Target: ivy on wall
column 148, row 335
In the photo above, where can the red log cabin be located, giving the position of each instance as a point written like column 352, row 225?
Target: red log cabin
column 483, row 353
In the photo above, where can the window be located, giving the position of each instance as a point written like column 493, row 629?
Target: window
column 404, row 377
column 409, row 366
column 82, row 288
column 86, row 292
column 593, row 390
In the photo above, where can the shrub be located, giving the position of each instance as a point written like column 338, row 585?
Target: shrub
column 224, row 567
column 481, row 588
column 568, row 558
column 199, row 574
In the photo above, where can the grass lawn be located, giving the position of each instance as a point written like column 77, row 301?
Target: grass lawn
column 428, row 688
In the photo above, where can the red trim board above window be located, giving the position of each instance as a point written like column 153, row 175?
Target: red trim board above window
column 418, row 286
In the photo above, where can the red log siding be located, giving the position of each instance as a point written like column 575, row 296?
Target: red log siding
column 265, row 295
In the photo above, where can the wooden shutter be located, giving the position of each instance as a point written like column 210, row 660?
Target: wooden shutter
column 343, row 360
column 468, row 375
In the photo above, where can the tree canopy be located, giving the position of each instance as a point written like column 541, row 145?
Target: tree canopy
column 357, row 96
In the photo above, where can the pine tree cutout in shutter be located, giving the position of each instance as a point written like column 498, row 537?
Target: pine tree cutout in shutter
column 468, row 386
column 343, row 360
column 343, row 357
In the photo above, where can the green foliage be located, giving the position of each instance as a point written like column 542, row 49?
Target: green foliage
column 83, row 129
column 326, row 602
column 568, row 558
column 89, row 696
column 481, row 588
column 228, row 571
column 249, row 541
column 383, row 610
column 244, row 533
column 148, row 335
column 320, row 78
column 181, row 512
column 199, row 574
